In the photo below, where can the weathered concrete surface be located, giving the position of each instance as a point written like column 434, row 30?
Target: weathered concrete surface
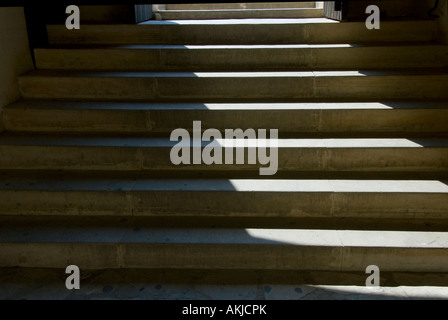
column 245, row 31
column 238, row 14
column 399, row 117
column 306, row 199
column 245, row 86
column 15, row 57
column 242, row 57
column 255, row 249
column 249, row 5
column 39, row 284
column 142, row 153
column 337, row 221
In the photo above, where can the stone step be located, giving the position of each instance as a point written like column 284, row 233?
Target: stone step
column 33, row 152
column 224, row 249
column 420, row 84
column 348, row 204
column 245, row 32
column 238, row 14
column 402, row 117
column 250, row 5
column 321, row 202
column 242, row 57
column 153, row 284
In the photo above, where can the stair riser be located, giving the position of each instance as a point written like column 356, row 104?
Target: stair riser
column 378, row 159
column 239, row 88
column 353, row 58
column 287, row 121
column 383, row 206
column 239, row 14
column 325, row 33
column 221, row 256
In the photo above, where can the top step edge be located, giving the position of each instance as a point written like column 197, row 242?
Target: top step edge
column 242, row 5
column 270, row 106
column 252, row 21
column 237, row 74
column 237, row 10
column 227, row 185
column 228, row 236
column 368, row 45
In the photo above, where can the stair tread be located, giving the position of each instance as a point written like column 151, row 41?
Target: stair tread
column 238, row 13
column 229, row 22
column 264, row 21
column 243, row 86
column 243, row 74
column 232, row 185
column 417, row 44
column 200, row 58
column 362, row 119
column 237, row 10
column 190, row 6
column 255, row 21
column 45, row 284
column 249, row 21
column 146, row 106
column 250, row 31
column 133, row 141
column 281, row 237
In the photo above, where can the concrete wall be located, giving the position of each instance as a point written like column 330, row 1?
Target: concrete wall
column 114, row 14
column 15, row 56
column 443, row 21
column 392, row 9
column 104, row 14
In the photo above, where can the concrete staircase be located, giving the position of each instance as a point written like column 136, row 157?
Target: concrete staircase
column 86, row 176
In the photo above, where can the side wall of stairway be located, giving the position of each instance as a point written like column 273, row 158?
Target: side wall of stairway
column 15, row 57
column 392, row 9
column 104, row 14
column 443, row 21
